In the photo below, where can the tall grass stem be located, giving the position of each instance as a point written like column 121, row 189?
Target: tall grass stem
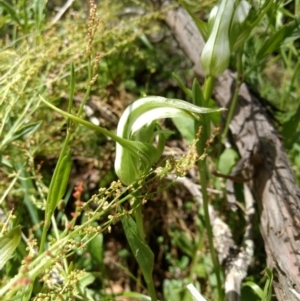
column 201, row 146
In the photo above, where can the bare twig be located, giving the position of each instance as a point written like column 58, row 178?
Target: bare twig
column 61, row 11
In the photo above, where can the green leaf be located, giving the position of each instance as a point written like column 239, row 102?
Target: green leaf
column 58, row 183
column 172, row 289
column 278, row 38
column 186, row 128
column 290, row 126
column 8, row 244
column 24, row 131
column 39, row 15
column 251, row 292
column 244, row 34
column 198, row 98
column 146, row 41
column 10, row 9
column 202, row 26
column 95, row 247
column 142, row 253
column 85, row 280
column 258, row 291
column 267, row 294
column 4, row 161
column 227, row 160
column 134, row 295
column 187, row 91
column 183, row 242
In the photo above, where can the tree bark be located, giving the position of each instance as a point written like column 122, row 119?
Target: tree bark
column 264, row 161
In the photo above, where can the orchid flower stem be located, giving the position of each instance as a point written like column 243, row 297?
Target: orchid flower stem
column 235, row 94
column 201, row 146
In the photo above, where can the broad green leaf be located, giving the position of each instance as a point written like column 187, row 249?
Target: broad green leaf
column 227, row 160
column 85, row 280
column 8, row 244
column 186, row 128
column 142, row 253
column 254, row 287
column 95, row 247
column 250, row 291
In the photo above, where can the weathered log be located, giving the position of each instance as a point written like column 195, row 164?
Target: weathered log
column 265, row 161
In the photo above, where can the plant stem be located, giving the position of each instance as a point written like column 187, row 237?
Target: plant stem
column 88, row 90
column 201, row 145
column 235, row 94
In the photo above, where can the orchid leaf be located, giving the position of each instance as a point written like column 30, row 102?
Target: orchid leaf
column 142, row 253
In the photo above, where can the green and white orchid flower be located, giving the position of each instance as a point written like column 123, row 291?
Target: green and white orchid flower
column 225, row 25
column 138, row 125
column 137, row 130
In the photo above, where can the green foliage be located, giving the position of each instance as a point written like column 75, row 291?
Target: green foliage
column 140, row 249
column 36, row 170
column 287, row 33
column 227, row 160
column 259, row 294
column 8, row 244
